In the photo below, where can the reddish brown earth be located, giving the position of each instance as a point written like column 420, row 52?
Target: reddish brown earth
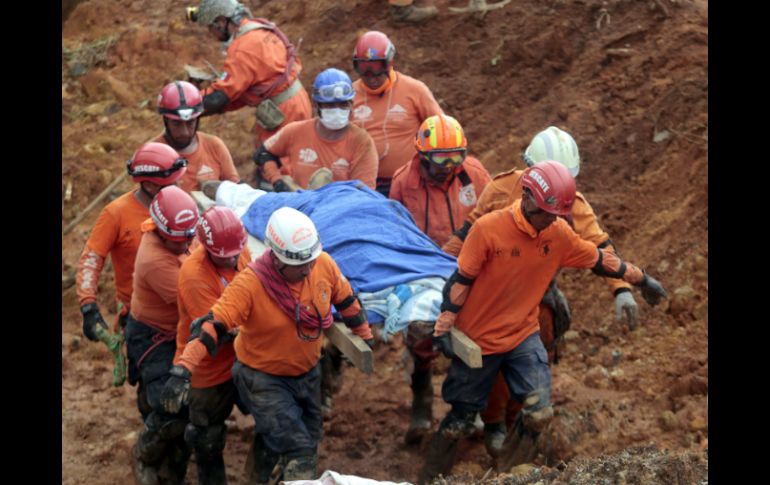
column 627, row 78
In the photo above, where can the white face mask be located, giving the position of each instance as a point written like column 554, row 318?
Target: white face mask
column 335, row 118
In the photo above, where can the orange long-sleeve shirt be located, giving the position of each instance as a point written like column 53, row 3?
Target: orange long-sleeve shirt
column 439, row 211
column 117, row 233
column 505, row 188
column 267, row 339
column 210, row 160
column 393, row 117
column 200, row 284
column 512, row 265
column 351, row 157
column 156, row 273
column 258, row 58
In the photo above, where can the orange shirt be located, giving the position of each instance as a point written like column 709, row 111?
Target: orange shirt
column 351, row 157
column 393, row 117
column 200, row 284
column 258, row 58
column 117, row 233
column 156, row 273
column 512, row 265
column 267, row 339
column 505, row 188
column 211, row 160
column 439, row 211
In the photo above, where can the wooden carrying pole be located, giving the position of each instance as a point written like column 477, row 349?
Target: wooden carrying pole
column 95, row 202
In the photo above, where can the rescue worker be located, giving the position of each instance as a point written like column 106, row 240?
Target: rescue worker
column 202, row 279
column 160, row 454
column 327, row 140
column 405, row 11
column 281, row 304
column 504, row 268
column 117, row 233
column 390, row 105
column 439, row 187
column 181, row 105
column 441, row 183
column 261, row 68
column 549, row 144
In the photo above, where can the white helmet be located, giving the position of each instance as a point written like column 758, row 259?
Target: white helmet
column 553, row 144
column 292, row 236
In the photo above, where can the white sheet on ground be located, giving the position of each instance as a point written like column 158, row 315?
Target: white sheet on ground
column 333, row 478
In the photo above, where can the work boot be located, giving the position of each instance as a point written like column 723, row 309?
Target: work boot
column 262, row 466
column 144, row 473
column 422, row 407
column 439, row 458
column 494, row 436
column 211, row 470
column 301, row 468
column 411, row 14
column 173, row 468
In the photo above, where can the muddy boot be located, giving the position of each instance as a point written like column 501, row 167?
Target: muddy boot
column 301, row 468
column 494, row 436
column 422, row 407
column 520, row 445
column 262, row 466
column 147, row 453
column 144, row 473
column 439, row 458
column 411, row 14
column 173, row 468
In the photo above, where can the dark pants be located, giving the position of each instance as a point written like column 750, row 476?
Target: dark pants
column 286, row 410
column 525, row 369
column 206, row 432
column 162, row 440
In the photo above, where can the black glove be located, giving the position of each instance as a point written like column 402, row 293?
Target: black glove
column 652, row 290
column 281, row 186
column 176, row 391
column 92, row 317
column 444, row 344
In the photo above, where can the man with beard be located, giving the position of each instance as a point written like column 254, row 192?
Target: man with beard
column 181, row 105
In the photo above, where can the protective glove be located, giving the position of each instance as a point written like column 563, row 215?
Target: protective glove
column 443, row 343
column 652, row 290
column 281, row 186
column 176, row 391
column 92, row 317
column 625, row 304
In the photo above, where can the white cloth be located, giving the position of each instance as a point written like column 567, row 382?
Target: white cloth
column 333, row 478
column 238, row 197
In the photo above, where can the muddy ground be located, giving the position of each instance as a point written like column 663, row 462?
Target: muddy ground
column 627, row 78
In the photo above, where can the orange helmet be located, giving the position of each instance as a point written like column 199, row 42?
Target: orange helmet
column 439, row 135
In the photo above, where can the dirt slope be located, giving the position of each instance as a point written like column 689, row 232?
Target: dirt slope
column 627, row 78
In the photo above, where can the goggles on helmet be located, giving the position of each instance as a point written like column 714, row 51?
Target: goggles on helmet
column 372, row 68
column 152, row 171
column 445, row 158
column 302, row 255
column 339, row 90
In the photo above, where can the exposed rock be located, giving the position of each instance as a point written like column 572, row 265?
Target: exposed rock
column 683, row 300
column 597, row 377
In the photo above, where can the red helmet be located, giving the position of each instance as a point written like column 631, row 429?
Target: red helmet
column 180, row 100
column 552, row 187
column 221, row 232
column 156, row 162
column 174, row 213
column 374, row 46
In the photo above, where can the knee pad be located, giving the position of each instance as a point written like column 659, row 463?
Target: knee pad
column 208, row 440
column 167, row 428
column 536, row 412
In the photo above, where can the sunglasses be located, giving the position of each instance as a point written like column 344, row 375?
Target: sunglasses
column 370, row 68
column 152, row 170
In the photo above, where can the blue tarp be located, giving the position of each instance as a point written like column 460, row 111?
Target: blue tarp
column 374, row 240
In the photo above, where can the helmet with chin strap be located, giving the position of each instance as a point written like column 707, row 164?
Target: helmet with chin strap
column 551, row 186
